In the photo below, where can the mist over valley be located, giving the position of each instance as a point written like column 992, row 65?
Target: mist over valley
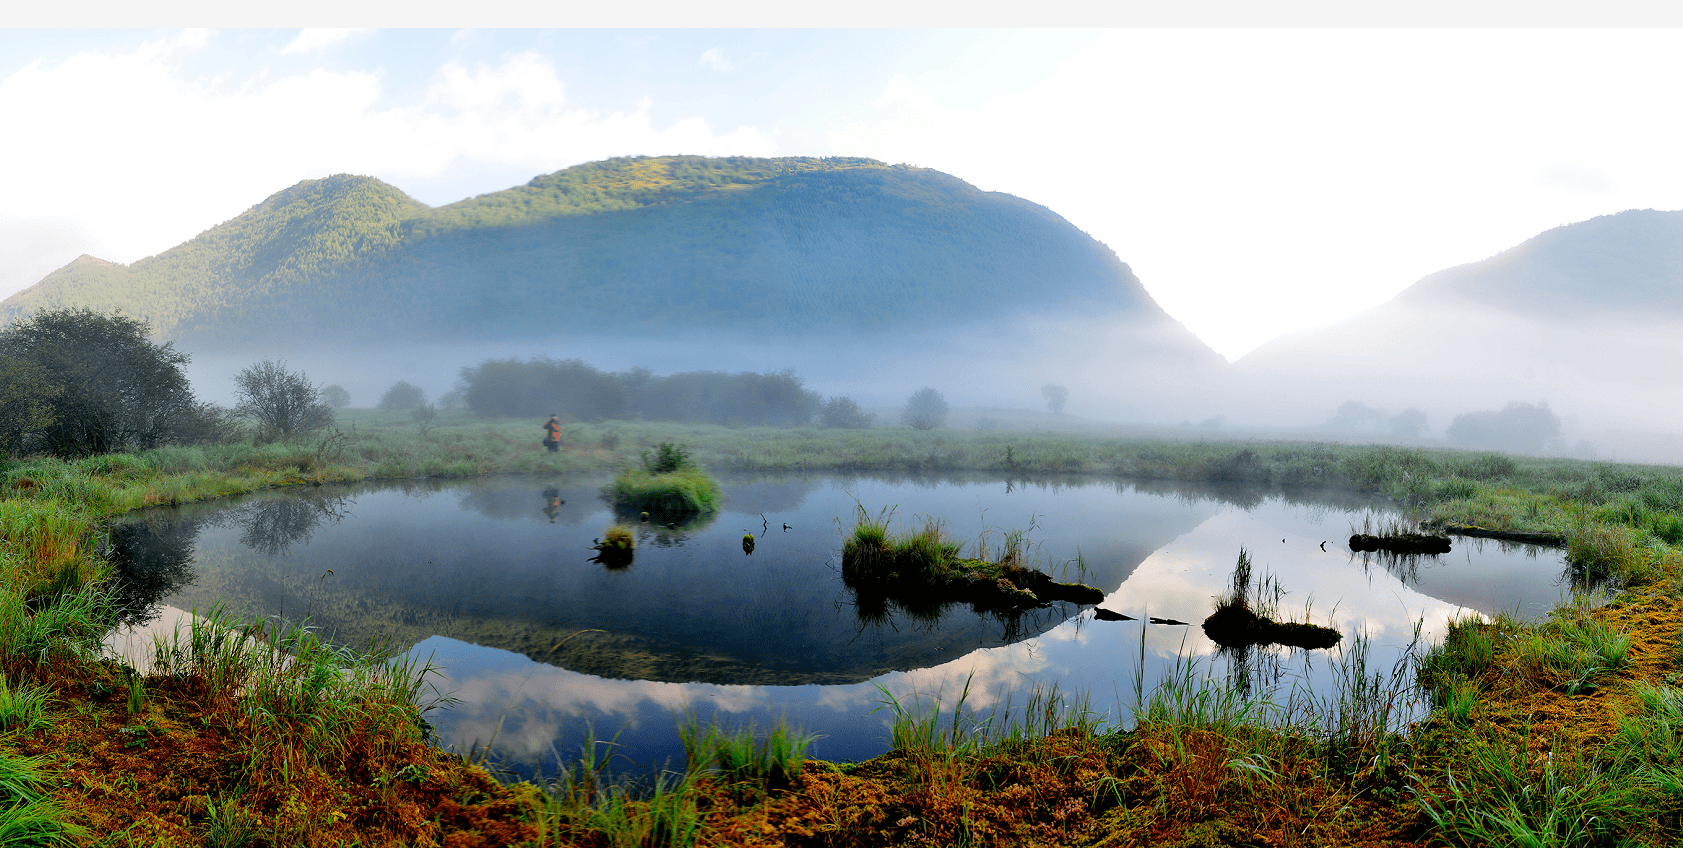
column 868, row 281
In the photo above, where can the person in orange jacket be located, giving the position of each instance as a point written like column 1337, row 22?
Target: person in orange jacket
column 552, row 433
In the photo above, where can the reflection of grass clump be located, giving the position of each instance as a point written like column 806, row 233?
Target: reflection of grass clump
column 669, row 485
column 924, row 568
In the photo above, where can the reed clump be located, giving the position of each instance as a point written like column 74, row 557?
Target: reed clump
column 668, row 485
column 1244, row 617
column 923, row 569
column 617, row 547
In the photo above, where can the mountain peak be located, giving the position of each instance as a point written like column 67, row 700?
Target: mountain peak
column 788, row 246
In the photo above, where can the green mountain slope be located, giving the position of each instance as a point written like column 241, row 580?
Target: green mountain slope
column 750, row 246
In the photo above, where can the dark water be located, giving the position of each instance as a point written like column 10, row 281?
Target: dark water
column 493, row 580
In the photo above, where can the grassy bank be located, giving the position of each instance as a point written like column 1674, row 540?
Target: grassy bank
column 1553, row 732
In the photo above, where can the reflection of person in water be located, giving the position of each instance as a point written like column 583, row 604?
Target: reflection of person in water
column 552, row 433
column 552, row 503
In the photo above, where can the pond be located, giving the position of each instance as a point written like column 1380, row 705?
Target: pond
column 493, row 581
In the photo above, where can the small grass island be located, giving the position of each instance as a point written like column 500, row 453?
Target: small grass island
column 924, row 569
column 667, row 488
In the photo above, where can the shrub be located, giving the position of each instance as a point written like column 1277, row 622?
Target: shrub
column 667, row 458
column 403, row 395
column 841, row 413
column 926, row 409
column 281, row 400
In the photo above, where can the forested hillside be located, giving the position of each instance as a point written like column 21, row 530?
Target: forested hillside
column 752, row 246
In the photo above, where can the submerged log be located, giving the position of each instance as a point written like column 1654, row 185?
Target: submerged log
column 1553, row 540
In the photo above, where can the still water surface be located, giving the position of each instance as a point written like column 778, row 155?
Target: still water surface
column 492, row 579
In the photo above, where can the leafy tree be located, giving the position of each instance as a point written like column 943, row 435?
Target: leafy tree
column 112, row 387
column 1408, row 424
column 403, row 395
column 335, row 396
column 926, row 409
column 843, row 414
column 281, row 401
column 1055, row 397
column 1521, row 427
column 1353, row 417
column 540, row 386
column 26, row 395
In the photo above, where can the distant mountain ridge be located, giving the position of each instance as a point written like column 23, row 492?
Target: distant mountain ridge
column 738, row 245
column 1587, row 316
column 1632, row 260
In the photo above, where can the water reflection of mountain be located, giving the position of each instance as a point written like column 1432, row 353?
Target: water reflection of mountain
column 395, row 567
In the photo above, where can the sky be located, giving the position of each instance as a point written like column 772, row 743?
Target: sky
column 1257, row 180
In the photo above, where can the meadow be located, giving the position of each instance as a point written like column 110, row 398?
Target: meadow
column 1565, row 730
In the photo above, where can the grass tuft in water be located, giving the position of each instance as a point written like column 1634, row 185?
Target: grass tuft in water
column 773, row 757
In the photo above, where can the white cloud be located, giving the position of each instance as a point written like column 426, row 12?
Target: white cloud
column 1261, row 181
column 317, row 40
column 143, row 154
column 714, row 57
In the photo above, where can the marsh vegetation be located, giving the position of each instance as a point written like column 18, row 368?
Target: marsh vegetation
column 923, row 570
column 1549, row 732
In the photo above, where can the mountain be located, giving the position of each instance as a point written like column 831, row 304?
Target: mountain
column 1628, row 262
column 740, row 246
column 275, row 251
column 1587, row 316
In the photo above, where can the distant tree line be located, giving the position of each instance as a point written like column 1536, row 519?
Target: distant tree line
column 1354, row 417
column 578, row 391
column 1520, row 427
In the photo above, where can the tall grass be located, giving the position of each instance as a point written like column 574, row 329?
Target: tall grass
column 1571, row 652
column 62, row 629
column 302, row 701
column 1496, row 793
column 773, row 756
column 27, row 817
column 916, row 720
column 23, row 706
